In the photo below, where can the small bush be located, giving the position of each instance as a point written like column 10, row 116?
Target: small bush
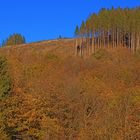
column 51, row 56
column 100, row 54
column 137, row 54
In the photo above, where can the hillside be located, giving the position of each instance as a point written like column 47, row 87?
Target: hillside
column 57, row 95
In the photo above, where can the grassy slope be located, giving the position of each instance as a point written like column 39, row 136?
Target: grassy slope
column 102, row 80
column 36, row 59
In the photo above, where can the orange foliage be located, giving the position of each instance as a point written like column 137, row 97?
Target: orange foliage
column 59, row 96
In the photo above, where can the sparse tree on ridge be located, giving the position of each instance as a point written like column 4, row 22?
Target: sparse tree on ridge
column 14, row 39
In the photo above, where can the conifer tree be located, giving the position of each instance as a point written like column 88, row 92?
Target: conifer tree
column 14, row 39
column 112, row 28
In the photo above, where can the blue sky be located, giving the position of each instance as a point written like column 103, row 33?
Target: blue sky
column 47, row 19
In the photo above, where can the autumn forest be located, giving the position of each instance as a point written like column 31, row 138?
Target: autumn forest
column 81, row 88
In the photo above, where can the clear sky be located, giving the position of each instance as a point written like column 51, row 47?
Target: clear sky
column 47, row 19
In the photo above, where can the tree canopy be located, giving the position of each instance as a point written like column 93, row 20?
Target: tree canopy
column 14, row 39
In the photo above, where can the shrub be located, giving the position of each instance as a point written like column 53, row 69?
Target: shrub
column 100, row 54
column 51, row 56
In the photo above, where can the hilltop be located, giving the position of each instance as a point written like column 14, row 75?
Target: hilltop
column 48, row 45
column 58, row 95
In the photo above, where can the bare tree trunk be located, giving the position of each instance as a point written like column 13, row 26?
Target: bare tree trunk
column 123, row 39
column 132, row 43
column 120, row 38
column 117, row 37
column 112, row 39
column 82, row 40
column 87, row 42
column 138, row 41
column 76, row 44
column 99, row 39
column 103, row 39
column 108, row 41
column 135, row 42
column 92, row 45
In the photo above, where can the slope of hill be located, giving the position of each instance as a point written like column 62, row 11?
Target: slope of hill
column 56, row 95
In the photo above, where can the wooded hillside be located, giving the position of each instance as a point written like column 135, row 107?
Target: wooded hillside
column 55, row 95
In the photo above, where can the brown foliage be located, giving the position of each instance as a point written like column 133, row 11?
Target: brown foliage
column 59, row 96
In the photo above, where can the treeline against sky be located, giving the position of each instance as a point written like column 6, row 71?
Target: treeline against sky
column 111, row 28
